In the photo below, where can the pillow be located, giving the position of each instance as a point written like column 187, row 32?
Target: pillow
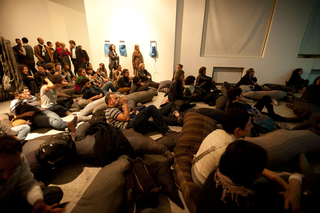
column 84, row 143
column 145, row 145
column 163, row 175
column 83, row 102
column 84, row 114
column 106, row 192
column 140, row 97
column 18, row 122
column 221, row 102
column 215, row 114
column 164, row 84
column 300, row 107
column 245, row 88
column 282, row 145
column 257, row 95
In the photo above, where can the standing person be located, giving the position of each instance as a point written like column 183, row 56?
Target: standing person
column 19, row 191
column 205, row 82
column 43, row 52
column 296, row 81
column 113, row 61
column 50, row 45
column 56, row 56
column 137, row 58
column 29, row 58
column 19, row 52
column 76, row 56
column 64, row 54
column 86, row 58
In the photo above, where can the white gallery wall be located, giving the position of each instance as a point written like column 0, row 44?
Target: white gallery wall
column 135, row 22
column 281, row 53
column 176, row 26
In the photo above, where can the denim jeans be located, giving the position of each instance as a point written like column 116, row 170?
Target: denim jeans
column 142, row 125
column 48, row 118
column 60, row 110
column 109, row 85
column 23, row 130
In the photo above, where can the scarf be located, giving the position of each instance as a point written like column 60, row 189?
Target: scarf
column 43, row 49
column 230, row 188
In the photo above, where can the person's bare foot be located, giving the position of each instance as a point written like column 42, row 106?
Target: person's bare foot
column 73, row 124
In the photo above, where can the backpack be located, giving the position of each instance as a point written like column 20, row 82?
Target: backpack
column 140, row 184
column 98, row 116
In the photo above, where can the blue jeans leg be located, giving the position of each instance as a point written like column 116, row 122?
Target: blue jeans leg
column 142, row 125
column 23, row 130
column 109, row 85
column 48, row 118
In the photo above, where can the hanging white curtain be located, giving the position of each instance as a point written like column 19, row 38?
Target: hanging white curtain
column 236, row 28
column 311, row 41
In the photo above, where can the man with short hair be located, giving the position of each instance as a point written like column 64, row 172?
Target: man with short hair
column 236, row 124
column 124, row 82
column 41, row 75
column 51, row 68
column 19, row 52
column 50, row 45
column 29, row 58
column 43, row 52
column 76, row 56
column 90, row 91
column 179, row 67
column 17, row 184
column 140, row 122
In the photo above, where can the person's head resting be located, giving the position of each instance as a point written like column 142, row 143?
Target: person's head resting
column 237, row 122
column 136, row 80
column 234, row 94
column 41, row 69
column 112, row 100
column 250, row 72
column 189, row 80
column 125, row 73
column 50, row 67
column 10, row 157
column 179, row 75
column 141, row 66
column 179, row 67
column 86, row 82
column 24, row 69
column 297, row 71
column 25, row 40
column 317, row 81
column 202, row 70
column 23, row 94
column 56, row 81
column 242, row 162
column 82, row 72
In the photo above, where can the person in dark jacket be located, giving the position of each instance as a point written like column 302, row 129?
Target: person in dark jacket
column 146, row 77
column 296, row 81
column 114, row 61
column 90, row 92
column 124, row 82
column 28, row 79
column 205, row 82
column 249, row 80
column 41, row 75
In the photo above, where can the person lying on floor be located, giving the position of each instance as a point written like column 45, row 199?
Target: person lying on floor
column 90, row 91
column 140, row 123
column 239, row 184
column 21, row 131
column 26, row 107
column 49, row 95
column 19, row 191
column 235, row 96
column 137, row 85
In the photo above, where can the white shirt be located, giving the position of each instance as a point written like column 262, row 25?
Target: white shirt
column 218, row 138
column 73, row 53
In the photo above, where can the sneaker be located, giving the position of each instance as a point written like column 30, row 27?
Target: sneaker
column 73, row 124
column 180, row 119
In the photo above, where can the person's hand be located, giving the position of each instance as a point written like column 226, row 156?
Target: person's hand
column 291, row 199
column 130, row 78
column 250, row 85
column 195, row 95
column 41, row 207
column 213, row 81
column 30, row 76
column 100, row 96
column 30, row 113
column 63, row 77
column 123, row 100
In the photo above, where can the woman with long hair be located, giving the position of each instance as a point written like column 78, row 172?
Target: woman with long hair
column 28, row 79
column 205, row 82
column 64, row 54
column 137, row 59
column 102, row 70
column 250, row 80
column 113, row 61
column 296, row 81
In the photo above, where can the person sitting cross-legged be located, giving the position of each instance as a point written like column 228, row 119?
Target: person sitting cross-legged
column 140, row 122
column 90, row 92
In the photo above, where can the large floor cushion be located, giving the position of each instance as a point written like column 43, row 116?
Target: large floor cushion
column 106, row 192
column 85, row 113
column 195, row 128
column 300, row 107
column 257, row 95
column 282, row 145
